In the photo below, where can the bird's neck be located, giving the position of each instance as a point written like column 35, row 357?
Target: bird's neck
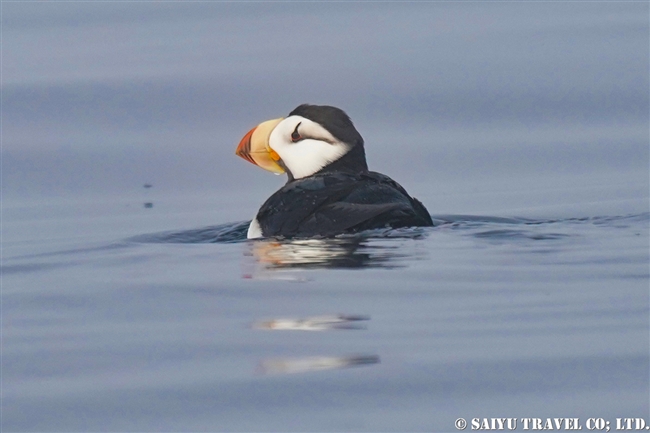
column 354, row 162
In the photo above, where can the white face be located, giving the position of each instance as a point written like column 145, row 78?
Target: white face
column 305, row 146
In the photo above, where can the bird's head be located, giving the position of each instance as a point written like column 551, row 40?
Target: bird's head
column 311, row 138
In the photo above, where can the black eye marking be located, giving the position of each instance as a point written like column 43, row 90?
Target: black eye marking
column 295, row 135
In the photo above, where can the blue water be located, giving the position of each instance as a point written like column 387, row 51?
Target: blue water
column 476, row 317
column 523, row 127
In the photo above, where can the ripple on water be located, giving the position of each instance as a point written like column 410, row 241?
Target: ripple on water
column 487, row 227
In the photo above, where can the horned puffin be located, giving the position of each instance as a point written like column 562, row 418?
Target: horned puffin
column 329, row 190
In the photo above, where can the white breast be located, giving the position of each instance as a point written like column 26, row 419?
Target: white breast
column 254, row 230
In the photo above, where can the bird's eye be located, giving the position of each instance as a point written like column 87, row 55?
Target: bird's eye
column 295, row 135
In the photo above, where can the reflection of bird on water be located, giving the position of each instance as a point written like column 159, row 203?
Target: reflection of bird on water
column 314, row 323
column 314, row 363
column 324, row 253
column 393, row 250
column 330, row 190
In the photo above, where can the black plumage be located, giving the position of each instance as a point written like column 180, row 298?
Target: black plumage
column 335, row 202
column 342, row 197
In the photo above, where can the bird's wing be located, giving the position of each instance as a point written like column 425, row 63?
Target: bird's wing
column 332, row 204
column 338, row 217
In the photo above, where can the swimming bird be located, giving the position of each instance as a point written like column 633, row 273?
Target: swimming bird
column 329, row 190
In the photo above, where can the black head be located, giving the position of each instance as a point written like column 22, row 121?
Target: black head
column 333, row 119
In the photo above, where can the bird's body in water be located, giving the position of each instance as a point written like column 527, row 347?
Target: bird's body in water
column 330, row 190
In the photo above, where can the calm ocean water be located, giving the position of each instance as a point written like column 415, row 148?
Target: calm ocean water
column 198, row 330
column 522, row 127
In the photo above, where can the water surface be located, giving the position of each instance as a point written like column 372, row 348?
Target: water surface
column 523, row 127
column 405, row 330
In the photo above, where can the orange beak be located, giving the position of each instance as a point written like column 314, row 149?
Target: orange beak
column 255, row 148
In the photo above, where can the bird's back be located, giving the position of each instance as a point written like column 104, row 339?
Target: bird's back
column 332, row 203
